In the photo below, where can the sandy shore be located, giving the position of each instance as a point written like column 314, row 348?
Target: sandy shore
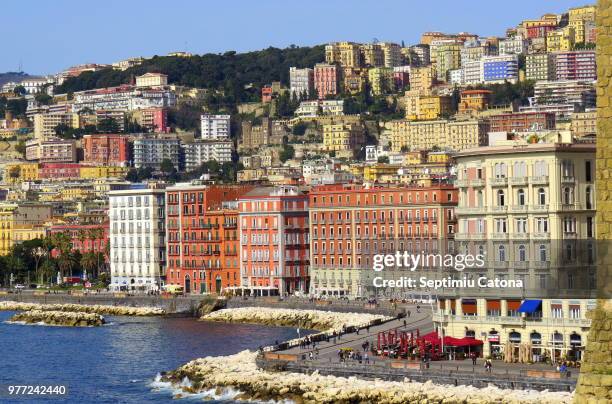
column 239, row 372
column 82, row 308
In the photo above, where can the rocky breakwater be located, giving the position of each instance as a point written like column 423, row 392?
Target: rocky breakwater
column 82, row 308
column 240, row 374
column 310, row 319
column 59, row 318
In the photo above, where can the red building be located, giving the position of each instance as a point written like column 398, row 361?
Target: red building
column 576, row 65
column 202, row 237
column 540, row 31
column 154, row 119
column 85, row 237
column 349, row 224
column 267, row 93
column 522, row 121
column 66, row 171
column 326, row 80
column 274, row 246
column 105, row 149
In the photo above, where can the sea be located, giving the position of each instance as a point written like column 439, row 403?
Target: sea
column 119, row 362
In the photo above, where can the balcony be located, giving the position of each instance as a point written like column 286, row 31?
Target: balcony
column 471, row 211
column 520, row 236
column 540, row 236
column 477, row 182
column 499, row 182
column 539, row 180
column 462, row 183
column 539, row 208
column 567, row 179
column 470, row 236
column 519, row 208
column 499, row 209
column 518, row 181
column 499, row 236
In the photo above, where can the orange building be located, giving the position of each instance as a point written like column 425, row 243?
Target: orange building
column 202, row 236
column 474, row 100
column 274, row 246
column 106, row 149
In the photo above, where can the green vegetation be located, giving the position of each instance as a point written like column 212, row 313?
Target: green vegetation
column 226, row 172
column 287, row 153
column 507, row 93
column 17, row 106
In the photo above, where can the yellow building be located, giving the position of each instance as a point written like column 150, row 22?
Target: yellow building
column 354, row 80
column 376, row 171
column 15, row 173
column 27, row 233
column 422, row 79
column 45, row 124
column 447, row 56
column 427, row 107
column 439, row 157
column 439, row 134
column 578, row 18
column 561, row 40
column 15, row 217
column 372, row 55
column 346, row 54
column 103, row 172
column 381, row 80
column 343, row 137
column 583, row 123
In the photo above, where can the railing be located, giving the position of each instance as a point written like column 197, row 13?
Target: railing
column 499, row 182
column 539, row 180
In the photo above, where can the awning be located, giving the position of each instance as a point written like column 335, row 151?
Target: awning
column 530, row 306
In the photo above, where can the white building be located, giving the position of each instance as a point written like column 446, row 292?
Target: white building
column 472, row 72
column 311, row 109
column 198, row 153
column 152, row 80
column 127, row 98
column 513, row 46
column 215, row 126
column 137, row 239
column 301, row 81
column 456, row 77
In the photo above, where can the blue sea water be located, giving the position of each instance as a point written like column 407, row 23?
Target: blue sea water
column 117, row 362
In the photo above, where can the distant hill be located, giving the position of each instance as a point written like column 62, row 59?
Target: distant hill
column 239, row 75
column 12, row 76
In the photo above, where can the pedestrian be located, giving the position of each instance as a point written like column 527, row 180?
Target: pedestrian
column 367, row 358
column 368, row 328
column 310, row 355
column 473, row 356
column 404, row 323
column 409, row 313
column 418, row 308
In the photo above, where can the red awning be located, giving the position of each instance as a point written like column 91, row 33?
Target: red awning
column 435, row 339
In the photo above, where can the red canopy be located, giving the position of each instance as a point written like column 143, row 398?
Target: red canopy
column 435, row 339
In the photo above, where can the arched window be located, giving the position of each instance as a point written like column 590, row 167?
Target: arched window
column 501, row 198
column 543, row 253
column 522, row 253
column 479, row 199
column 520, row 196
column 514, row 337
column 541, row 196
column 501, row 253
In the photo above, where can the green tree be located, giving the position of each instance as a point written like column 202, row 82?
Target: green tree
column 19, row 90
column 167, row 167
column 44, row 99
column 383, row 159
column 108, row 125
column 299, row 129
column 287, row 153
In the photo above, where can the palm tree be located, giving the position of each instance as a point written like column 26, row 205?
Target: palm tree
column 89, row 261
column 38, row 254
column 97, row 233
column 62, row 243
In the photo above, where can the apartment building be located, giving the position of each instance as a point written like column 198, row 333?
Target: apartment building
column 45, row 124
column 529, row 208
column 499, row 69
column 427, row 107
column 151, row 80
column 472, row 72
column 19, row 218
column 112, row 150
column 381, row 80
column 474, row 100
column 152, row 119
column 561, row 40
column 372, row 55
column 447, row 57
column 418, row 55
column 576, row 65
column 152, row 151
column 422, row 79
column 540, row 66
column 51, row 150
column 200, row 152
column 344, row 138
column 576, row 93
column 584, row 123
column 515, row 45
column 312, row 109
column 274, row 245
column 215, row 127
column 137, row 239
column 301, row 82
column 444, row 134
column 579, row 19
column 392, row 54
column 202, row 236
column 349, row 224
column 344, row 53
column 522, row 121
column 326, row 80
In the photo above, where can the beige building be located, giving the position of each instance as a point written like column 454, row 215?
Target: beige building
column 529, row 209
column 51, row 150
column 422, row 79
column 579, row 17
column 343, row 137
column 427, row 107
column 152, row 80
column 17, row 221
column 381, row 80
column 447, row 56
column 443, row 134
column 584, row 123
column 45, row 124
column 346, row 54
column 540, row 66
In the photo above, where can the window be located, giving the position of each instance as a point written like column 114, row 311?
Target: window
column 479, row 199
column 589, row 198
column 541, row 197
column 501, row 226
column 543, row 253
column 501, row 170
column 568, row 196
column 520, row 197
column 540, row 169
column 567, row 168
column 542, row 225
column 501, row 253
column 521, row 225
column 588, row 171
column 501, row 198
column 522, row 253
column 520, row 169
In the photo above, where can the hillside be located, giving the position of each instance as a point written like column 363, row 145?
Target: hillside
column 239, row 75
column 12, row 76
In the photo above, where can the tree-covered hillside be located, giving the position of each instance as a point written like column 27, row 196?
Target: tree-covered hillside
column 239, row 75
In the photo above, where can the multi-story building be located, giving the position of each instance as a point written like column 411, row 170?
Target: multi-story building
column 86, row 237
column 392, row 54
column 515, row 45
column 153, row 119
column 565, row 92
column 530, row 211
column 419, row 55
column 152, row 151
column 540, row 66
column 579, row 18
column 576, row 65
column 427, row 107
column 522, row 121
column 584, row 123
column 112, row 150
column 326, row 80
column 117, row 117
column 540, row 32
column 301, row 82
column 381, row 80
column 344, row 53
column 349, row 224
column 447, row 57
column 59, row 171
column 45, row 124
column 151, row 80
column 51, row 150
column 137, row 239
column 422, row 79
column 561, row 40
column 344, row 137
column 312, row 109
column 274, row 241
column 444, row 134
column 472, row 72
column 474, row 100
column 372, row 55
column 19, row 172
column 124, row 98
column 200, row 152
column 17, row 218
column 104, row 171
column 499, row 69
column 215, row 127
column 202, row 236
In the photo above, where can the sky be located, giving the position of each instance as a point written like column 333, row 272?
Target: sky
column 45, row 37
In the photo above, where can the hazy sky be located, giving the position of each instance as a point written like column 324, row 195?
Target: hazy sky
column 48, row 36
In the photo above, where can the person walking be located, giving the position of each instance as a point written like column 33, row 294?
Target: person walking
column 473, row 356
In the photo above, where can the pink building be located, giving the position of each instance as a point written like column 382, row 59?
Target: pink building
column 576, row 65
column 274, row 244
column 400, row 80
column 326, row 80
column 59, row 171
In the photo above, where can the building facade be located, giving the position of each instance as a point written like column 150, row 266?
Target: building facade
column 215, row 127
column 112, row 150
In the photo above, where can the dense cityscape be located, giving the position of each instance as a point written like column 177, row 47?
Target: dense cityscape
column 285, row 172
